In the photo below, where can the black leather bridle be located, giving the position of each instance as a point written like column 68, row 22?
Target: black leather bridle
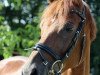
column 58, row 59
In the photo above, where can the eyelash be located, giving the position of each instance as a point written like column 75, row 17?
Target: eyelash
column 69, row 29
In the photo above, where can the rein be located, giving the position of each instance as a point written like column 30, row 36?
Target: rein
column 58, row 59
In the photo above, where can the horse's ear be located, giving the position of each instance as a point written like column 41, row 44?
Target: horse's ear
column 50, row 1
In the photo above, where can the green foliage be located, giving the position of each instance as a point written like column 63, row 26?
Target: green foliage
column 8, row 41
column 17, row 41
column 19, row 26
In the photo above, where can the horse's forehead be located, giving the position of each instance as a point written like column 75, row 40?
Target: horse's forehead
column 54, row 21
column 52, row 25
column 58, row 14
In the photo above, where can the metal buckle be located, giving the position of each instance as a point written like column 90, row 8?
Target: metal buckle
column 56, row 67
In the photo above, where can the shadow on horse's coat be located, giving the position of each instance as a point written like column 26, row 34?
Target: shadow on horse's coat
column 67, row 30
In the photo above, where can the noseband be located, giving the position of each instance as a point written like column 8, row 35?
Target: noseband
column 58, row 59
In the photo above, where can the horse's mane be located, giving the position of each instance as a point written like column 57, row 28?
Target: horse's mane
column 59, row 9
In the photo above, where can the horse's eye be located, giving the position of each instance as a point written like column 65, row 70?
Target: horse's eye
column 69, row 26
column 69, row 29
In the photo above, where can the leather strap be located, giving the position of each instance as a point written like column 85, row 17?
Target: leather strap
column 48, row 50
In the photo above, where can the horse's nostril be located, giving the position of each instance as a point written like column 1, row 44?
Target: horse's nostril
column 34, row 72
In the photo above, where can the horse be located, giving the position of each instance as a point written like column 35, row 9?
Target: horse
column 67, row 31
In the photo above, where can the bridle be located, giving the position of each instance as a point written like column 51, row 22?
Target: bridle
column 58, row 59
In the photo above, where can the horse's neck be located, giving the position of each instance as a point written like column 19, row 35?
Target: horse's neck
column 84, row 67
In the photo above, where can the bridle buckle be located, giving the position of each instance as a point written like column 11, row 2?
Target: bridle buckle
column 56, row 67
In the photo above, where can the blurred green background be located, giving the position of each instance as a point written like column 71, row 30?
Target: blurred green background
column 19, row 28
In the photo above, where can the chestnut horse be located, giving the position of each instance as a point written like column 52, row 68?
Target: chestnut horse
column 67, row 30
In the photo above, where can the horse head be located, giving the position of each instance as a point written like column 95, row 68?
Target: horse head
column 67, row 29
